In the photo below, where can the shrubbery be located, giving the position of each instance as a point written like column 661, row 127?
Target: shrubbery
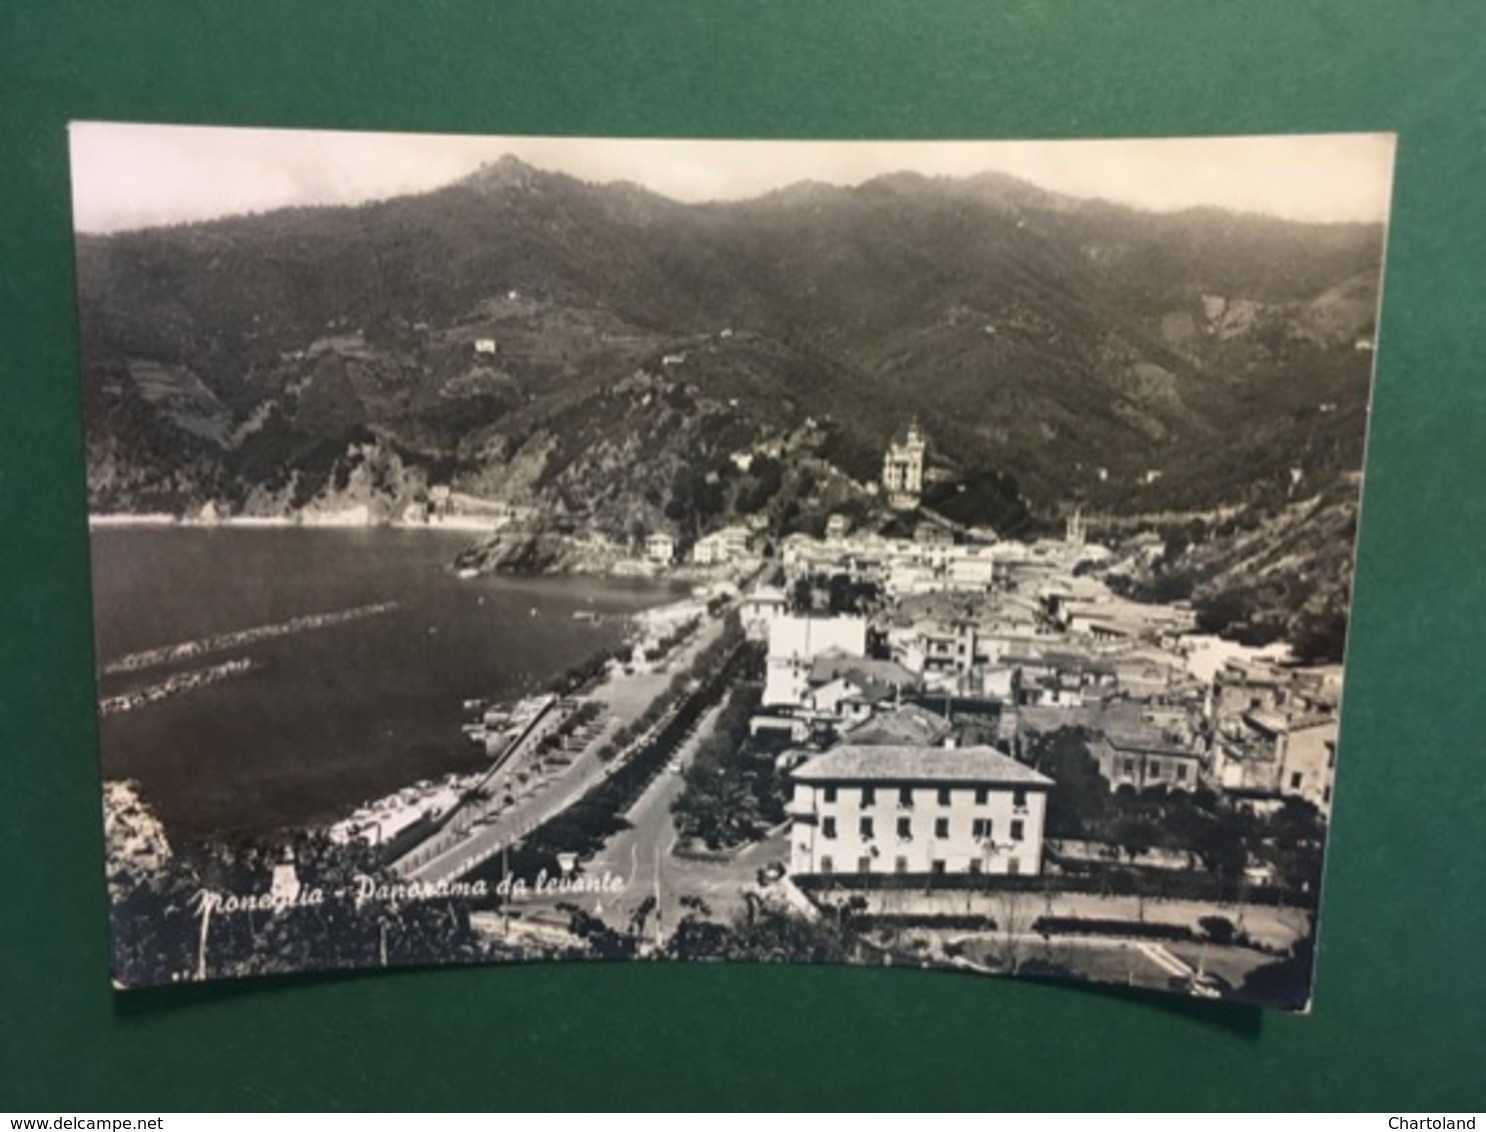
column 1078, row 925
column 1219, row 929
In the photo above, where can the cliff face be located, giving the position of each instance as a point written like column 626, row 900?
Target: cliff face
column 134, row 839
column 533, row 550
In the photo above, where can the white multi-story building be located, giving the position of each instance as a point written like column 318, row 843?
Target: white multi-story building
column 721, row 547
column 794, row 642
column 759, row 609
column 660, row 549
column 917, row 810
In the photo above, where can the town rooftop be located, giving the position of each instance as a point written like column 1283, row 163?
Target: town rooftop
column 974, row 765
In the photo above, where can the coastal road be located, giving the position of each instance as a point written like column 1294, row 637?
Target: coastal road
column 625, row 698
column 640, row 854
column 643, row 857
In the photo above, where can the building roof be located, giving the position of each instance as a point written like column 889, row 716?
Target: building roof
column 829, row 666
column 1276, row 723
column 1068, row 659
column 1270, row 722
column 1135, row 744
column 1314, row 719
column 978, row 765
column 1250, row 672
column 910, row 725
column 771, row 594
column 1136, row 733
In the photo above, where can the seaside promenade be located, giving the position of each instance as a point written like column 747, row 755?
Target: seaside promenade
column 624, row 698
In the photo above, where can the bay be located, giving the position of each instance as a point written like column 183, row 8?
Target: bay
column 333, row 716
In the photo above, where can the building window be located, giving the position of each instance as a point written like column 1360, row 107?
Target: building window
column 1330, row 755
column 1016, row 830
column 865, row 827
column 1013, row 866
column 1019, row 798
column 869, row 795
column 1326, row 795
column 829, row 794
column 828, row 827
column 905, row 829
column 864, row 864
column 905, row 796
column 1153, row 769
column 944, row 795
column 1181, row 772
column 827, row 865
column 1295, row 780
column 1130, row 768
column 900, row 865
column 980, row 829
column 938, row 868
column 982, row 795
column 975, row 864
column 941, row 828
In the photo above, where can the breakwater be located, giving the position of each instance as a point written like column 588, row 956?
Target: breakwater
column 220, row 642
column 180, row 682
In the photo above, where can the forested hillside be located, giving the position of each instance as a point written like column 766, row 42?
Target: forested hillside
column 605, row 352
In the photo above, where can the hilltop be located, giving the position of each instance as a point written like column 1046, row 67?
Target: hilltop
column 614, row 357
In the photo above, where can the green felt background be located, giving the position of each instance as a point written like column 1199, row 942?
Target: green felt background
column 1400, row 1019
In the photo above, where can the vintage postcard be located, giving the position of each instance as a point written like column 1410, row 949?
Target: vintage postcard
column 928, row 554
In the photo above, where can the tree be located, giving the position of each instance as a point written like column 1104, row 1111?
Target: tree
column 767, row 478
column 1136, row 835
column 1171, row 585
column 1219, row 929
column 696, row 937
column 1221, row 842
column 1285, row 983
column 718, row 808
column 166, row 930
column 1321, row 637
column 1013, row 914
column 848, row 596
column 802, row 595
column 1217, row 611
column 602, row 941
column 772, row 934
column 1079, row 799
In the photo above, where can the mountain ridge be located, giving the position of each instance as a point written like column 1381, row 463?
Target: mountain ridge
column 1035, row 334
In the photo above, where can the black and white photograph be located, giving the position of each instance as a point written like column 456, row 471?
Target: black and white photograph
column 912, row 554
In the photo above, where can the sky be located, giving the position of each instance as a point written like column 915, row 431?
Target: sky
column 131, row 176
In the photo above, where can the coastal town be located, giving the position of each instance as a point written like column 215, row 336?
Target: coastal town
column 924, row 567
column 957, row 749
